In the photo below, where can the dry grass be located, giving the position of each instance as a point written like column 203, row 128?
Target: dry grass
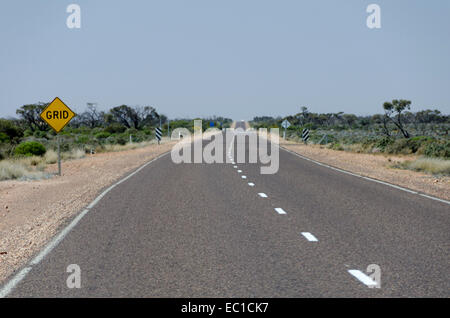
column 50, row 157
column 128, row 146
column 24, row 168
column 429, row 165
column 73, row 154
column 34, row 167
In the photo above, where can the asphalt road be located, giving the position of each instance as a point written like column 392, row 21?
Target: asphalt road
column 200, row 230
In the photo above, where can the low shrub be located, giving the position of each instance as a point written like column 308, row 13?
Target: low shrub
column 115, row 128
column 384, row 142
column 30, row 148
column 102, row 135
column 83, row 139
column 438, row 149
column 336, row 146
column 40, row 134
column 408, row 145
column 4, row 138
column 121, row 140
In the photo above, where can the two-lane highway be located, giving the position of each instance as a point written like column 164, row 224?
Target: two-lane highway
column 203, row 230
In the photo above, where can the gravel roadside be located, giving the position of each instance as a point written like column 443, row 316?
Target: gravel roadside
column 377, row 166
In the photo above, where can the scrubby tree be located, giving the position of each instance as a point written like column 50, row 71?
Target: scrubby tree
column 92, row 117
column 31, row 116
column 124, row 115
column 349, row 119
column 393, row 110
column 133, row 117
column 147, row 115
column 10, row 131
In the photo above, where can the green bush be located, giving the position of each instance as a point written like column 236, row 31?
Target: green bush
column 409, row 145
column 121, row 140
column 83, row 139
column 132, row 131
column 40, row 134
column 102, row 135
column 437, row 149
column 147, row 132
column 115, row 128
column 30, row 148
column 4, row 138
column 336, row 146
column 384, row 142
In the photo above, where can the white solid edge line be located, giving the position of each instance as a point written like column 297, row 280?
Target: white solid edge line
column 251, row 184
column 363, row 278
column 262, row 195
column 310, row 237
column 280, row 211
column 57, row 239
column 367, row 178
column 12, row 283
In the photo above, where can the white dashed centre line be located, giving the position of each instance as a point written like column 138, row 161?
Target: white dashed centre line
column 239, row 171
column 235, row 167
column 363, row 278
column 310, row 237
column 251, row 184
column 262, row 195
column 280, row 211
column 244, row 177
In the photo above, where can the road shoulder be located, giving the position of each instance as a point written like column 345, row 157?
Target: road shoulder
column 377, row 166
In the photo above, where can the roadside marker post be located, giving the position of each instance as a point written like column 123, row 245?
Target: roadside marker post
column 285, row 124
column 305, row 135
column 57, row 115
column 158, row 133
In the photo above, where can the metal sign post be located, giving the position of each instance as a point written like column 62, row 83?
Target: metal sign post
column 59, row 155
column 57, row 115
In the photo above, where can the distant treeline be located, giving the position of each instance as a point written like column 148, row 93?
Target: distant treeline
column 395, row 119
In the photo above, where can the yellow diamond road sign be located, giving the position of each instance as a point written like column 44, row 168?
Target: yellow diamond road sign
column 57, row 115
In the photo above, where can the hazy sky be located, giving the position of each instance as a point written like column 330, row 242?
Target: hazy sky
column 235, row 58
